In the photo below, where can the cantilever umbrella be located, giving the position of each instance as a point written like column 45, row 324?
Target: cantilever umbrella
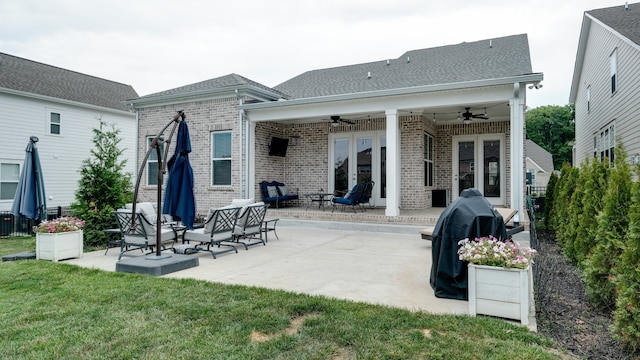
column 179, row 199
column 30, row 200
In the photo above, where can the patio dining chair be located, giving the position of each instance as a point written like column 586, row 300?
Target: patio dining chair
column 216, row 232
column 142, row 234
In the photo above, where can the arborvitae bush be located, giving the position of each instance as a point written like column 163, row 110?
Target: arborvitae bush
column 548, row 202
column 613, row 223
column 562, row 202
column 103, row 186
column 627, row 279
column 575, row 212
column 592, row 204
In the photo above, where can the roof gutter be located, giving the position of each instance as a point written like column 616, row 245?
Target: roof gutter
column 527, row 78
column 236, row 90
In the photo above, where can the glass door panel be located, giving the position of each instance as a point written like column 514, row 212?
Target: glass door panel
column 466, row 165
column 382, row 184
column 341, row 149
column 364, row 159
column 491, row 152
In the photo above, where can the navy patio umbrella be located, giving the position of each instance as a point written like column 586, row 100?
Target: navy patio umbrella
column 179, row 199
column 30, row 200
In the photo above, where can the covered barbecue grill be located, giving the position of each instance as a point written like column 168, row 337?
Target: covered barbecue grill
column 469, row 216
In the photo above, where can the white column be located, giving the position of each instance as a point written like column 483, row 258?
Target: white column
column 251, row 160
column 517, row 150
column 393, row 164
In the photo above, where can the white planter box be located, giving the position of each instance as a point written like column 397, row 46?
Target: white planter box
column 58, row 246
column 501, row 292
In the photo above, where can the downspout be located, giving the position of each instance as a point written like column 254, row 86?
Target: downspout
column 240, row 130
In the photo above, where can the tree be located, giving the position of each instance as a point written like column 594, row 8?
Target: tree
column 103, row 185
column 552, row 127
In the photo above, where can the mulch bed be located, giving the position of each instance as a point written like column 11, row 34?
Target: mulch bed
column 562, row 308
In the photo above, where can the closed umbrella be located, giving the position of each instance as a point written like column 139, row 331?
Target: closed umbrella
column 179, row 199
column 30, row 200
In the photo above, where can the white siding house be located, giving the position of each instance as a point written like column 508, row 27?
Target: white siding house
column 61, row 108
column 605, row 87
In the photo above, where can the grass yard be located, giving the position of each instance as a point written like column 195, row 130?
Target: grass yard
column 55, row 310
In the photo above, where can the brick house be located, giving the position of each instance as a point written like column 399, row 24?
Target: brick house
column 444, row 118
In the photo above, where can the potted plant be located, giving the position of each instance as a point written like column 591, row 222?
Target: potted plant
column 499, row 277
column 60, row 238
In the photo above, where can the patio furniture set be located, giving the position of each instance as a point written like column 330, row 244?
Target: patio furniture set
column 242, row 223
column 278, row 193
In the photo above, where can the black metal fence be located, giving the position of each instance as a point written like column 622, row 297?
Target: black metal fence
column 11, row 225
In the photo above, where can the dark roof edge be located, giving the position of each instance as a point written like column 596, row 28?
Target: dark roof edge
column 65, row 101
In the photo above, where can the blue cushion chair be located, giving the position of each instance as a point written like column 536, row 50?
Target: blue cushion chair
column 277, row 193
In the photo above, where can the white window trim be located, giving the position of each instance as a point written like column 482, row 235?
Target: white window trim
column 431, row 161
column 230, row 158
column 613, row 69
column 154, row 163
column 2, row 180
column 48, row 113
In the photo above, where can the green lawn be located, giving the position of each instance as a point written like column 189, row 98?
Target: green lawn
column 60, row 311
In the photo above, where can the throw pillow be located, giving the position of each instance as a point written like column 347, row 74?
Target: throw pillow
column 272, row 191
column 283, row 190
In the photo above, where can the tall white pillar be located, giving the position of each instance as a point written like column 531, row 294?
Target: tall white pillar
column 393, row 164
column 251, row 160
column 517, row 150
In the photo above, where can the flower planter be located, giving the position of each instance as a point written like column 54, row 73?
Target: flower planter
column 58, row 246
column 498, row 291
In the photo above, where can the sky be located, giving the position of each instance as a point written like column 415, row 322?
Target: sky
column 157, row 45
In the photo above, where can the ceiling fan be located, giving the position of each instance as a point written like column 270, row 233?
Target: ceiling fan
column 468, row 115
column 336, row 120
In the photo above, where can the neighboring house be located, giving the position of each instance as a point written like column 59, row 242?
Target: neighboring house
column 539, row 165
column 605, row 83
column 450, row 117
column 60, row 107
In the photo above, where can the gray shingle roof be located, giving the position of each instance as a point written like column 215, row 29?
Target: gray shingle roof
column 227, row 81
column 539, row 155
column 507, row 56
column 36, row 78
column 624, row 21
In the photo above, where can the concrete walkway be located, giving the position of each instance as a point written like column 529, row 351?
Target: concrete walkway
column 380, row 267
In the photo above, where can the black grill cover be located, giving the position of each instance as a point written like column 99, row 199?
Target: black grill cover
column 469, row 216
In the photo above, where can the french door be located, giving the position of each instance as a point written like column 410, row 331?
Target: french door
column 358, row 157
column 479, row 162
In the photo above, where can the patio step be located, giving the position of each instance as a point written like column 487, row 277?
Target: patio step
column 352, row 226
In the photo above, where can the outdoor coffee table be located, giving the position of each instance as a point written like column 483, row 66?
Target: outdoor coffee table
column 318, row 197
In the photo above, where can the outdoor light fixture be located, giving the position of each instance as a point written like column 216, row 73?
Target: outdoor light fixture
column 535, row 86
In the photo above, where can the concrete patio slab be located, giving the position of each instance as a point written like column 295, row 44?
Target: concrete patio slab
column 385, row 268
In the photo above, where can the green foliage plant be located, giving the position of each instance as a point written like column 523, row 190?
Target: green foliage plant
column 104, row 185
column 549, row 199
column 575, row 212
column 562, row 202
column 626, row 327
column 592, row 204
column 552, row 127
column 613, row 223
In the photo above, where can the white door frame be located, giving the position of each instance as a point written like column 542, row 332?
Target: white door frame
column 376, row 199
column 479, row 159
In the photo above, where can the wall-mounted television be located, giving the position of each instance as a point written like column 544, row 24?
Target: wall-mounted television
column 278, row 146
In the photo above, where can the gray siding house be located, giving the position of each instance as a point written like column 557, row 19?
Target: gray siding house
column 61, row 107
column 605, row 86
column 438, row 119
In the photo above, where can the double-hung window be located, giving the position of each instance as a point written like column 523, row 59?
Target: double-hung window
column 152, row 161
column 428, row 160
column 221, row 158
column 607, row 143
column 9, row 177
column 55, row 123
column 613, row 65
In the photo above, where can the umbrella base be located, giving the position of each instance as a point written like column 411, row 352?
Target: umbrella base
column 26, row 255
column 157, row 266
